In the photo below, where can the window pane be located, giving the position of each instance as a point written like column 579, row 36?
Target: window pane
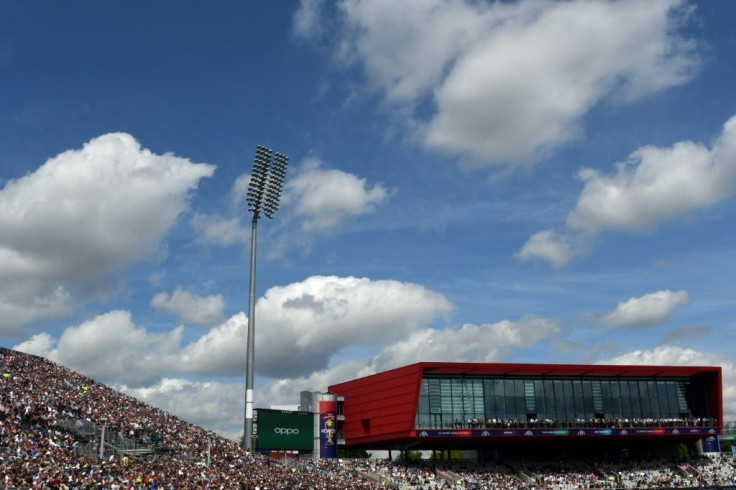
column 539, row 398
column 510, row 399
column 646, row 411
column 549, row 399
column 577, row 393
column 635, row 403
column 592, row 398
column 568, row 400
column 626, row 402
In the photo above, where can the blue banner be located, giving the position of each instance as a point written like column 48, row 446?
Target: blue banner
column 629, row 431
column 327, row 429
column 710, row 445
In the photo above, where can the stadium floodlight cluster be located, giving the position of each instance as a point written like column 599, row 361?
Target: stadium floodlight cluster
column 266, row 182
column 264, row 193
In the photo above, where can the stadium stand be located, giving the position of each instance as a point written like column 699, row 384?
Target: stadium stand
column 62, row 430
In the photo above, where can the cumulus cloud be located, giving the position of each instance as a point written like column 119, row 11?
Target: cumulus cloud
column 645, row 311
column 197, row 402
column 322, row 199
column 679, row 356
column 285, row 391
column 658, row 184
column 653, row 186
column 509, row 82
column 313, row 319
column 191, row 309
column 471, row 343
column 202, row 402
column 81, row 217
column 29, row 300
column 40, row 344
column 300, row 327
column 221, row 351
column 305, row 323
column 549, row 245
column 110, row 347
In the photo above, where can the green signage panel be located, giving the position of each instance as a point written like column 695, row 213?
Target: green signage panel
column 285, row 430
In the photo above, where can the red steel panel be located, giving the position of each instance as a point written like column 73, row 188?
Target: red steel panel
column 381, row 408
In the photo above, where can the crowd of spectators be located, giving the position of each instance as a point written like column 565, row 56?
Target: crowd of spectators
column 36, row 395
column 39, row 450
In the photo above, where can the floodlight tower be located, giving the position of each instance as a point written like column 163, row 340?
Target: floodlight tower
column 264, row 193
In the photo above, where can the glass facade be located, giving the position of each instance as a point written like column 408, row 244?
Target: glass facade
column 498, row 402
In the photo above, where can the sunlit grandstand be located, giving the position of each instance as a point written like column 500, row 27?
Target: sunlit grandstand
column 59, row 429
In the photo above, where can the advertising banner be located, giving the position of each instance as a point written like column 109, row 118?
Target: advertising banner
column 327, row 429
column 285, row 430
column 710, row 445
column 632, row 431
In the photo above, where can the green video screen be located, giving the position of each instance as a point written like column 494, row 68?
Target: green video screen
column 285, row 430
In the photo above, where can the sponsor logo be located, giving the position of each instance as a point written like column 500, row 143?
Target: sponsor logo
column 485, row 433
column 528, row 433
column 286, row 431
column 581, row 432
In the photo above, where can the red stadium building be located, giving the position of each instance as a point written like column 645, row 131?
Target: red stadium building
column 515, row 409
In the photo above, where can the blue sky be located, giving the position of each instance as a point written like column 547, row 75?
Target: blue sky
column 528, row 181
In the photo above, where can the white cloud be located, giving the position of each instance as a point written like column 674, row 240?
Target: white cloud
column 221, row 351
column 29, row 300
column 320, row 200
column 110, row 347
column 202, row 403
column 225, row 230
column 679, row 356
column 653, row 186
column 285, row 391
column 39, row 345
column 83, row 216
column 306, row 22
column 522, row 89
column 238, row 192
column 324, row 199
column 192, row 309
column 645, row 311
column 213, row 405
column 299, row 328
column 405, row 47
column 471, row 343
column 510, row 81
column 219, row 230
column 304, row 324
column 658, row 184
column 556, row 248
